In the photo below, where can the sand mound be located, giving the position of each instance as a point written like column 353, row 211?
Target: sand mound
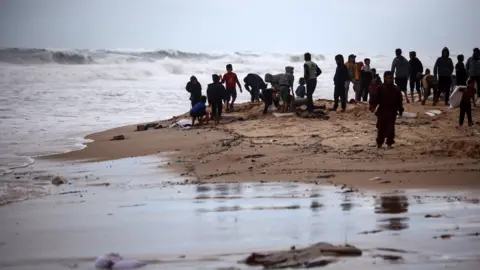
column 458, row 148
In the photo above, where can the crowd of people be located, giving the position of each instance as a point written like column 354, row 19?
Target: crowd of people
column 385, row 98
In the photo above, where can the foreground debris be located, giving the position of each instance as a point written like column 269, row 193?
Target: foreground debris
column 316, row 255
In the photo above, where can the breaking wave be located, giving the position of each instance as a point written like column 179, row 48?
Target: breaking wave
column 85, row 57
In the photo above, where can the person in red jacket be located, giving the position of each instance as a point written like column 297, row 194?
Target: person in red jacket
column 231, row 81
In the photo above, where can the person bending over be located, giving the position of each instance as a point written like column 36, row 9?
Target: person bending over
column 199, row 110
column 253, row 84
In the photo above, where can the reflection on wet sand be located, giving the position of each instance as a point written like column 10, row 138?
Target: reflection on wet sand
column 392, row 205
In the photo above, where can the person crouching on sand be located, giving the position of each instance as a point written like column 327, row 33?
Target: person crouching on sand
column 429, row 83
column 215, row 94
column 468, row 96
column 231, row 81
column 389, row 101
column 199, row 110
column 253, row 84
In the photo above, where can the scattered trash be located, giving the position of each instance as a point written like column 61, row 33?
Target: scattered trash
column 58, row 180
column 118, row 138
column 149, row 126
column 375, row 179
column 433, row 216
column 409, row 115
column 301, row 258
column 115, row 261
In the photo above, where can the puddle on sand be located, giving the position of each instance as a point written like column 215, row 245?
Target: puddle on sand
column 214, row 226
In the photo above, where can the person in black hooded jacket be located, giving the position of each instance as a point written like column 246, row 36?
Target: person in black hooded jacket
column 444, row 68
column 253, row 84
column 215, row 94
column 341, row 76
column 461, row 71
column 416, row 69
column 195, row 90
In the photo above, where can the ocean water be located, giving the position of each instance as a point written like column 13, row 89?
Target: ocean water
column 51, row 99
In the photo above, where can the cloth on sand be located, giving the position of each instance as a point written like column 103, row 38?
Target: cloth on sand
column 115, row 261
column 312, row 256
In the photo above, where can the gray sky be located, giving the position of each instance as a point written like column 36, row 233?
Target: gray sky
column 242, row 25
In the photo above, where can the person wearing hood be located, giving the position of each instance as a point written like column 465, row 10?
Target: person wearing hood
column 253, row 84
column 195, row 90
column 339, row 79
column 388, row 99
column 443, row 70
column 215, row 94
column 285, row 84
column 310, row 73
column 401, row 69
column 301, row 91
column 416, row 71
column 473, row 68
column 461, row 71
column 354, row 74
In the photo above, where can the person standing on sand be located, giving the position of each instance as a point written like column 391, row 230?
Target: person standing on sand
column 365, row 81
column 389, row 101
column 401, row 69
column 444, row 69
column 231, row 80
column 461, row 71
column 310, row 73
column 253, row 84
column 339, row 80
column 416, row 69
column 195, row 90
column 215, row 94
column 473, row 68
column 465, row 105
column 354, row 74
column 285, row 84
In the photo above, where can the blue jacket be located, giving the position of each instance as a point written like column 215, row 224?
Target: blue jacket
column 199, row 108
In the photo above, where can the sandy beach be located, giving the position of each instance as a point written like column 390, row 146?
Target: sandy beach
column 429, row 151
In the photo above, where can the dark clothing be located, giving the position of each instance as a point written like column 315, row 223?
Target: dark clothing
column 444, row 85
column 306, row 72
column 341, row 75
column 388, row 98
column 230, row 94
column 195, row 90
column 301, row 91
column 339, row 93
column 267, row 96
column 443, row 67
column 416, row 67
column 198, row 110
column 415, row 84
column 311, row 85
column 254, row 83
column 461, row 73
column 465, row 108
column 365, row 81
column 217, row 107
column 401, row 82
column 215, row 93
column 477, row 80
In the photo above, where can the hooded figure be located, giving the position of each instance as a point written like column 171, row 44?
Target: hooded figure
column 473, row 68
column 253, row 84
column 310, row 72
column 195, row 90
column 285, row 84
column 444, row 69
column 215, row 94
column 388, row 98
column 460, row 71
column 339, row 79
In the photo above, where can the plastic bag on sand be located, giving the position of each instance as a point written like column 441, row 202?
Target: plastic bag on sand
column 115, row 261
column 272, row 108
column 409, row 115
column 456, row 97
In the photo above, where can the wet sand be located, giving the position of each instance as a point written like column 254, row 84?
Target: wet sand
column 138, row 208
column 429, row 151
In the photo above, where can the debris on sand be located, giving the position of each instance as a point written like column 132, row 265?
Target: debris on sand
column 149, row 126
column 375, row 178
column 325, row 176
column 118, row 138
column 433, row 216
column 115, row 261
column 444, row 236
column 312, row 256
column 58, row 180
column 254, row 156
column 388, row 257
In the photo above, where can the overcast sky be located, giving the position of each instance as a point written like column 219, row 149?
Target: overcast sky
column 242, row 25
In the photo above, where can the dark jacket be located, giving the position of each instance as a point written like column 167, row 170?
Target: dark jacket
column 254, row 81
column 443, row 65
column 301, row 91
column 415, row 67
column 215, row 92
column 195, row 90
column 400, row 67
column 366, row 77
column 388, row 98
column 341, row 75
column 473, row 66
column 461, row 73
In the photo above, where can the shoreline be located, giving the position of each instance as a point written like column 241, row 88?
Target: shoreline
column 429, row 153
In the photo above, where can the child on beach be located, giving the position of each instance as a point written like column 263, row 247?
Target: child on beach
column 468, row 96
column 429, row 83
column 301, row 89
column 231, row 80
column 199, row 110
